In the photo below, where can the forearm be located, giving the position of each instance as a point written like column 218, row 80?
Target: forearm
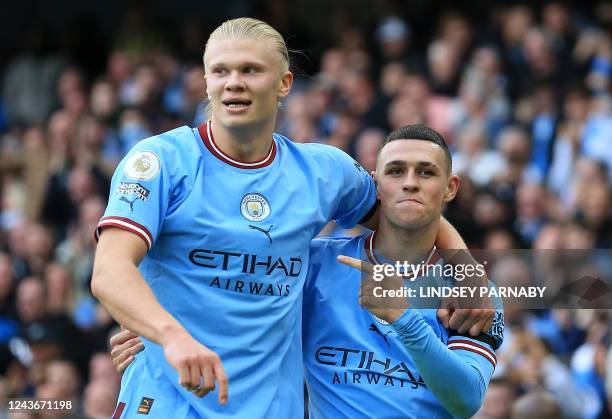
column 448, row 237
column 124, row 293
column 454, row 251
column 455, row 380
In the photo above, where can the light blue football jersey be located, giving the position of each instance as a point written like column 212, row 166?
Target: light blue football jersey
column 356, row 365
column 228, row 255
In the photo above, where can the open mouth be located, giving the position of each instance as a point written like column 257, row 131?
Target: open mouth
column 237, row 104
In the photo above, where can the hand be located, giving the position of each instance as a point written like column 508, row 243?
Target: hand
column 384, row 307
column 472, row 320
column 124, row 346
column 198, row 366
column 474, row 315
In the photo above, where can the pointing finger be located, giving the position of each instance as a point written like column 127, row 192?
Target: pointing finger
column 362, row 265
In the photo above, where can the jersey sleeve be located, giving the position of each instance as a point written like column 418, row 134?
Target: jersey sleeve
column 141, row 190
column 486, row 343
column 357, row 192
column 458, row 378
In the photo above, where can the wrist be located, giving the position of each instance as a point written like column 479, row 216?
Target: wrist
column 167, row 332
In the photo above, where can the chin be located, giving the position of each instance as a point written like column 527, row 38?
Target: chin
column 242, row 121
column 237, row 121
column 411, row 217
column 412, row 225
column 413, row 221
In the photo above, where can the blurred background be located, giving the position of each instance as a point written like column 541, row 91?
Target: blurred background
column 521, row 92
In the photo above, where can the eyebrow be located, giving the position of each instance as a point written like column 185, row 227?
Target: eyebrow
column 420, row 163
column 241, row 64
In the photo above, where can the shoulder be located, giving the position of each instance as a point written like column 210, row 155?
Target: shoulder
column 170, row 141
column 318, row 151
column 178, row 140
column 163, row 150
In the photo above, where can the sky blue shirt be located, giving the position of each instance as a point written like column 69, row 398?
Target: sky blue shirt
column 360, row 367
column 228, row 255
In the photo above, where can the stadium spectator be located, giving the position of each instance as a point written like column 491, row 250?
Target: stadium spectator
column 536, row 405
column 473, row 157
column 499, row 400
column 366, row 147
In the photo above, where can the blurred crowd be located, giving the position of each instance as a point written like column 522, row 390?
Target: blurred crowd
column 523, row 100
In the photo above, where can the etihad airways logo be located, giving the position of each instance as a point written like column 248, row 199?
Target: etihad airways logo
column 366, row 367
column 246, row 263
column 263, row 271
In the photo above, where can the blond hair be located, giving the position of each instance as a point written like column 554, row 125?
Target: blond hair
column 249, row 28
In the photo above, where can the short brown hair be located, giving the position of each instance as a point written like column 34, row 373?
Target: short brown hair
column 420, row 132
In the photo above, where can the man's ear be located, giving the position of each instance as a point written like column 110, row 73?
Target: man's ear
column 285, row 84
column 373, row 174
column 451, row 188
column 206, row 82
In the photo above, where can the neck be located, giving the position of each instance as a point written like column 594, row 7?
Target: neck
column 247, row 143
column 405, row 244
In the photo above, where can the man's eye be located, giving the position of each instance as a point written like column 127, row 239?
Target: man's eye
column 424, row 172
column 396, row 171
column 249, row 70
column 219, row 71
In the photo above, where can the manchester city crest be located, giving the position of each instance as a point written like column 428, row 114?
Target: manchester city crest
column 255, row 207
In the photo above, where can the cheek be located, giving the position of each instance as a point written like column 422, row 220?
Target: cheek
column 212, row 89
column 267, row 86
column 385, row 193
column 435, row 193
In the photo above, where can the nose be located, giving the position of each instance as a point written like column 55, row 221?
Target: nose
column 411, row 181
column 234, row 82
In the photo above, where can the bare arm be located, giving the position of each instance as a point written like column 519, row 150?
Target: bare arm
column 120, row 287
column 448, row 237
column 474, row 320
